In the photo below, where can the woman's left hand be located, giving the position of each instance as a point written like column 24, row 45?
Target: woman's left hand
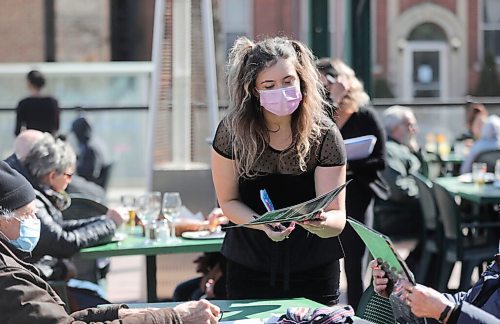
column 317, row 225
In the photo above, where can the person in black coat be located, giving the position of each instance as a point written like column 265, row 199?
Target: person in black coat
column 37, row 111
column 354, row 117
column 27, row 298
column 48, row 167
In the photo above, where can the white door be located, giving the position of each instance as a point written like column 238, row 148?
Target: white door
column 425, row 70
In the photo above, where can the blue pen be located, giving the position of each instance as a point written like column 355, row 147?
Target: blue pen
column 264, row 197
column 266, row 200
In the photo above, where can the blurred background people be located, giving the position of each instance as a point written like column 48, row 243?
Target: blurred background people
column 78, row 185
column 401, row 215
column 48, row 166
column 37, row 111
column 355, row 117
column 93, row 161
column 472, row 110
column 486, row 131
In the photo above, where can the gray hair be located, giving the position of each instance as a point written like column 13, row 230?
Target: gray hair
column 394, row 116
column 6, row 213
column 49, row 154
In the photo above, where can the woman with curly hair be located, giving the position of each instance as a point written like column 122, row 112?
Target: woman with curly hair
column 276, row 136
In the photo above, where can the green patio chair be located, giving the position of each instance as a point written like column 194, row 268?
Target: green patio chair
column 468, row 239
column 375, row 308
column 432, row 237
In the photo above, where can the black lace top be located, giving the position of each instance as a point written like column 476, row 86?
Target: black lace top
column 286, row 185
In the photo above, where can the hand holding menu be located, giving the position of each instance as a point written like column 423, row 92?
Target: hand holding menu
column 301, row 212
column 359, row 147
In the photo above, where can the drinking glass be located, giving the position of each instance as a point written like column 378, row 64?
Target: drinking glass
column 478, row 173
column 497, row 170
column 171, row 209
column 129, row 203
column 149, row 207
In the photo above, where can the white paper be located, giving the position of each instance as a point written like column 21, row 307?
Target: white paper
column 359, row 147
column 186, row 214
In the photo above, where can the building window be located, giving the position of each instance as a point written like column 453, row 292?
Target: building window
column 491, row 28
column 236, row 16
column 427, row 32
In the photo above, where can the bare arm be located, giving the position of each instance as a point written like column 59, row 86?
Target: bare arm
column 332, row 221
column 225, row 179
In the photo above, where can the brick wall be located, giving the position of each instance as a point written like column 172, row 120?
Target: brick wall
column 448, row 4
column 22, row 31
column 82, row 31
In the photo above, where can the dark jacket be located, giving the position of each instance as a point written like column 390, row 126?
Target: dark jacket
column 367, row 170
column 27, row 298
column 481, row 304
column 63, row 238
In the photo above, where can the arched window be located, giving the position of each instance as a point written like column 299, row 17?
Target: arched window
column 427, row 32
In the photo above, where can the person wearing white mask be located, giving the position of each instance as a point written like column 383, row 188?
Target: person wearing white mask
column 278, row 137
column 27, row 298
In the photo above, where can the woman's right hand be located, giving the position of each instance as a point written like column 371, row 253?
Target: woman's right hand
column 278, row 232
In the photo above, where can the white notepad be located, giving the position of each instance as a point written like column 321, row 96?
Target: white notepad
column 359, row 147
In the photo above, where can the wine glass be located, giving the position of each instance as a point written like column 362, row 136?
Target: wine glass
column 129, row 203
column 171, row 209
column 149, row 207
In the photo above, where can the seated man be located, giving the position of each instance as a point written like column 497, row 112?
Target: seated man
column 48, row 167
column 400, row 215
column 478, row 305
column 78, row 185
column 27, row 298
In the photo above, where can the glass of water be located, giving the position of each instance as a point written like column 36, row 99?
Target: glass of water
column 478, row 173
column 497, row 170
column 149, row 207
column 171, row 209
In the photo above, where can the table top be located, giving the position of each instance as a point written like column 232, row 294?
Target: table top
column 484, row 194
column 452, row 158
column 250, row 308
column 135, row 245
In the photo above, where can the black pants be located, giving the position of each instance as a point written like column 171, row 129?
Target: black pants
column 358, row 201
column 320, row 284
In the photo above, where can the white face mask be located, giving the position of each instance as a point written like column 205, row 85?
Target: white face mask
column 281, row 102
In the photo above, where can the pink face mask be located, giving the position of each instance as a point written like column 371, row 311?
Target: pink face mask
column 281, row 102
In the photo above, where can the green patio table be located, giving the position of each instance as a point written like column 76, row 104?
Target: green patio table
column 135, row 245
column 250, row 309
column 482, row 195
